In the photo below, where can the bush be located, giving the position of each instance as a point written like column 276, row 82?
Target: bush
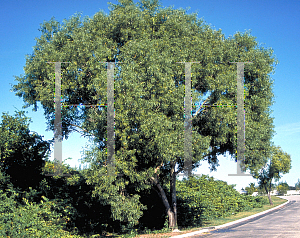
column 74, row 199
column 282, row 188
column 203, row 198
column 30, row 219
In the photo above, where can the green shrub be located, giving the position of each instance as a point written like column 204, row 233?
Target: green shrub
column 282, row 188
column 30, row 219
column 203, row 198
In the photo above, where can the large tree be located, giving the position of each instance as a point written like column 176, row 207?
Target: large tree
column 278, row 163
column 149, row 94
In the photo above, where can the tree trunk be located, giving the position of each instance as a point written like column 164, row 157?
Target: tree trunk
column 269, row 195
column 270, row 200
column 162, row 194
column 173, row 191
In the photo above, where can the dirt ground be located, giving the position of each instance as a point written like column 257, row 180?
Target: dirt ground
column 161, row 235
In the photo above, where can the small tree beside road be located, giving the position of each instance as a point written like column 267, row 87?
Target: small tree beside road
column 279, row 163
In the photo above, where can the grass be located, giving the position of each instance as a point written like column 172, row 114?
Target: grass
column 215, row 222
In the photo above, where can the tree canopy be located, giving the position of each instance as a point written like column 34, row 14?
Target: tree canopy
column 149, row 94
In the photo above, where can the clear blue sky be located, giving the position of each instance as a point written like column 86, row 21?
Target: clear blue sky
column 274, row 23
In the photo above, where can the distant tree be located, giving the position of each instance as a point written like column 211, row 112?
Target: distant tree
column 251, row 189
column 21, row 151
column 297, row 185
column 282, row 188
column 292, row 188
column 279, row 163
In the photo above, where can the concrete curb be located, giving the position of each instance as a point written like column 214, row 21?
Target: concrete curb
column 231, row 223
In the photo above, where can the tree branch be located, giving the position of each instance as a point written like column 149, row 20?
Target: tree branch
column 82, row 130
column 201, row 107
column 179, row 171
column 158, row 167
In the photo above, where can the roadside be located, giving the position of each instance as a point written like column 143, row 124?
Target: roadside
column 217, row 222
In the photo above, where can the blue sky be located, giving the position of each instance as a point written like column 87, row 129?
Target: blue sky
column 274, row 23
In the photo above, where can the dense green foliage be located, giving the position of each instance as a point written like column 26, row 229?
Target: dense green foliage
column 204, row 198
column 74, row 200
column 21, row 151
column 28, row 219
column 68, row 207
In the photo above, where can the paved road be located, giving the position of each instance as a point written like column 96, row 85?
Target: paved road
column 284, row 222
